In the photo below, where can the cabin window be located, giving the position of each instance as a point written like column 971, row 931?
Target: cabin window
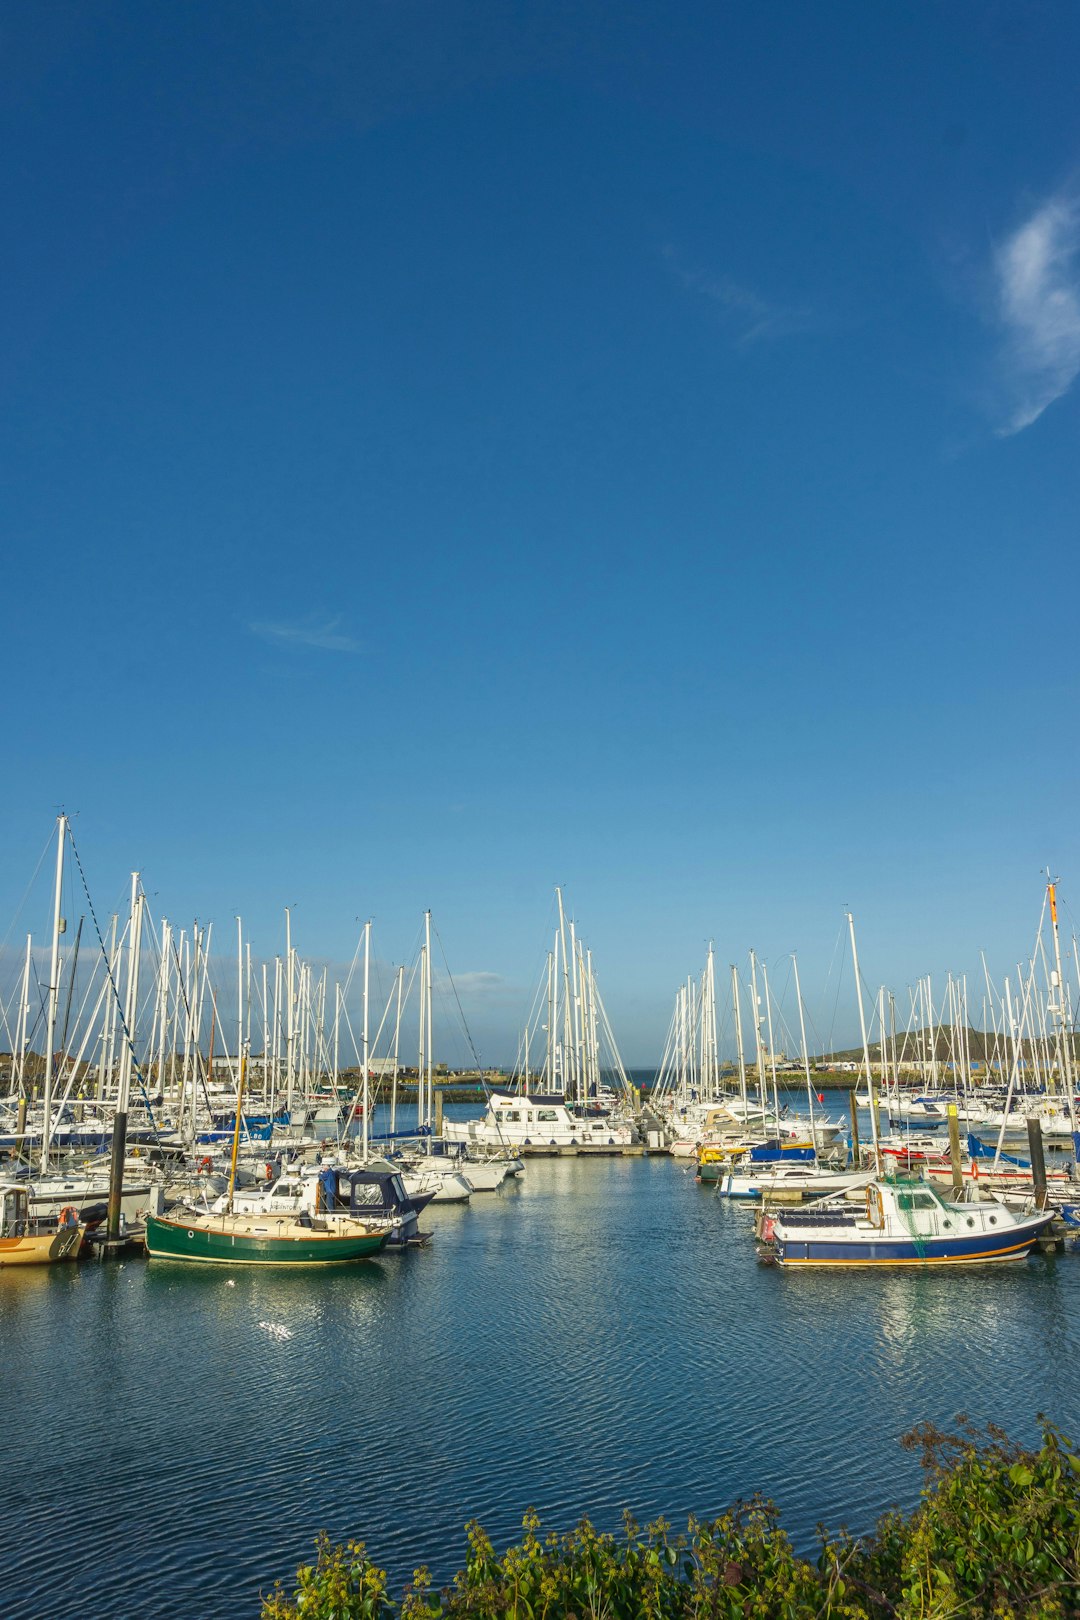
column 513, row 1114
column 546, row 1115
column 910, row 1201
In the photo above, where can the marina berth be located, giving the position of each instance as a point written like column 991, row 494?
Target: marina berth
column 902, row 1223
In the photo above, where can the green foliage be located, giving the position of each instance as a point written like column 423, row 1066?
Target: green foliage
column 996, row 1534
column 342, row 1584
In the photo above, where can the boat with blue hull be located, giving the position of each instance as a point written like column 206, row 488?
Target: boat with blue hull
column 902, row 1223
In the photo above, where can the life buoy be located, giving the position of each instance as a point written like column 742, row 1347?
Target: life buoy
column 69, row 1216
column 269, row 1171
column 874, row 1213
column 204, row 1165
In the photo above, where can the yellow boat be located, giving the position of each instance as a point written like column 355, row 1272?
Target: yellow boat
column 23, row 1242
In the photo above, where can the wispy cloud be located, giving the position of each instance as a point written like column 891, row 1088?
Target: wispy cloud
column 476, row 985
column 752, row 317
column 307, row 632
column 1037, row 272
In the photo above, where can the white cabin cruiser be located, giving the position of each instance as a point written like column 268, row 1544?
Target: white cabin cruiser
column 537, row 1120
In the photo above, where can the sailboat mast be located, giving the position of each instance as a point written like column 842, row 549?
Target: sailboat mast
column 866, row 1047
column 430, row 1106
column 24, row 1018
column 397, row 1049
column 54, row 990
column 738, row 1034
column 367, row 1085
column 805, row 1052
column 1061, row 1003
column 289, row 1027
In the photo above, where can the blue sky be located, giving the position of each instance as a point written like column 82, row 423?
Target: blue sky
column 453, row 449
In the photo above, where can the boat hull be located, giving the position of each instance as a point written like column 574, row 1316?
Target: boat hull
column 43, row 1248
column 224, row 1243
column 982, row 1248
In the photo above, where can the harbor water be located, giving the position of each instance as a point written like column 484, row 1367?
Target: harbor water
column 598, row 1335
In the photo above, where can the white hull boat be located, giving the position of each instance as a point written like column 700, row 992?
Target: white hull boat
column 540, row 1120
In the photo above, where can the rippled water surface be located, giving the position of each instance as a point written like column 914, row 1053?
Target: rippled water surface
column 598, row 1335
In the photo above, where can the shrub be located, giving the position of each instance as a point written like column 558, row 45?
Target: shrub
column 996, row 1534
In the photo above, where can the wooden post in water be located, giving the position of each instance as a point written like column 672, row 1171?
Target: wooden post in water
column 853, row 1106
column 954, row 1150
column 20, row 1127
column 1038, row 1162
column 438, row 1111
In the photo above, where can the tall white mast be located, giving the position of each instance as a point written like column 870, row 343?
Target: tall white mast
column 131, row 1005
column 430, row 1023
column 738, row 1034
column 805, row 1052
column 421, row 1062
column 366, row 1051
column 567, row 1041
column 866, row 1047
column 550, row 1062
column 54, row 989
column 289, row 1025
column 397, row 1049
column 24, row 1020
column 759, row 1057
column 1061, row 1003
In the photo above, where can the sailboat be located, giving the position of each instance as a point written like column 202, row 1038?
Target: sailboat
column 264, row 1237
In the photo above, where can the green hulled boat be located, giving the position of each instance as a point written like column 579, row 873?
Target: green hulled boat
column 260, row 1240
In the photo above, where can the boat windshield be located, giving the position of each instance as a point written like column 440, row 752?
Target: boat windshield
column 907, row 1201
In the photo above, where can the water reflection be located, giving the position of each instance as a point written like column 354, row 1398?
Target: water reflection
column 596, row 1336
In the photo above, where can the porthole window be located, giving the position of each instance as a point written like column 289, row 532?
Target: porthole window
column 993, row 1220
column 971, row 1220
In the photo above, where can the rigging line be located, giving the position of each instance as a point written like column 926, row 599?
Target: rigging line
column 18, row 910
column 115, row 991
column 460, row 1008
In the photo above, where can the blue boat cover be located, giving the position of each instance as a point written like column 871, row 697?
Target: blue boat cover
column 979, row 1150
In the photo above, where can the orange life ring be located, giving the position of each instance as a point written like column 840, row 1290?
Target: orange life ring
column 204, row 1165
column 69, row 1216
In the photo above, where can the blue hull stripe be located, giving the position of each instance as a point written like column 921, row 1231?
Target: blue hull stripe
column 933, row 1251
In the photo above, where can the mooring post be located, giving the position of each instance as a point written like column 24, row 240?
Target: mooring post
column 954, row 1150
column 854, row 1108
column 438, row 1110
column 20, row 1127
column 116, row 1174
column 1038, row 1162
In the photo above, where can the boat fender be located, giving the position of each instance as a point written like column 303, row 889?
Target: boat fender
column 204, row 1165
column 269, row 1171
column 69, row 1216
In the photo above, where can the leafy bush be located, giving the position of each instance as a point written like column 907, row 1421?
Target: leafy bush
column 996, row 1533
